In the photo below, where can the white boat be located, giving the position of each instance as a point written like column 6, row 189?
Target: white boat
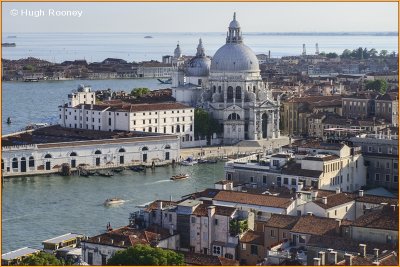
column 113, row 201
column 180, row 176
column 188, row 163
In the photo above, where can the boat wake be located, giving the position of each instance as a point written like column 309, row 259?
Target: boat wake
column 157, row 182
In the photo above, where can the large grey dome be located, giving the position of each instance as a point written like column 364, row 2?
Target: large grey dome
column 234, row 57
column 199, row 66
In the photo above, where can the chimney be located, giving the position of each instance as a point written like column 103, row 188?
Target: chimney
column 211, row 211
column 314, row 195
column 309, row 213
column 317, row 261
column 376, row 253
column 393, row 207
column 332, row 258
column 363, row 250
column 339, row 223
column 159, row 205
column 338, row 190
column 325, row 200
column 321, row 255
column 361, row 193
column 112, row 241
column 348, row 259
column 98, row 239
column 122, row 243
column 171, row 229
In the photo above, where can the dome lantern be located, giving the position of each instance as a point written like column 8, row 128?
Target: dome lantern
column 234, row 34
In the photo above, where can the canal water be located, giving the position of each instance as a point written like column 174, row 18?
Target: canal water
column 37, row 208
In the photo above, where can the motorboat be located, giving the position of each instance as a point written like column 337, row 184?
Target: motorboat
column 119, row 169
column 113, row 201
column 137, row 168
column 202, row 161
column 180, row 176
column 106, row 174
column 188, row 162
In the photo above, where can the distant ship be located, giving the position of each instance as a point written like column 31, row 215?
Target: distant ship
column 148, row 37
column 8, row 45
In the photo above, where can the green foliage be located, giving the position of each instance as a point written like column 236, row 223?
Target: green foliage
column 204, row 124
column 42, row 258
column 146, row 255
column 238, row 226
column 138, row 92
column 379, row 86
column 362, row 53
column 332, row 55
column 29, row 67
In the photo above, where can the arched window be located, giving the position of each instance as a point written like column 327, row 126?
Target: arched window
column 178, row 129
column 145, row 148
column 73, row 154
column 150, row 130
column 31, row 161
column 167, row 147
column 248, row 88
column 48, row 156
column 98, row 152
column 238, row 92
column 230, row 93
column 214, row 89
column 15, row 163
column 219, row 89
column 254, row 89
column 234, row 116
column 121, row 150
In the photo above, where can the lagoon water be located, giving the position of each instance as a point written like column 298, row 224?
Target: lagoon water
column 58, row 47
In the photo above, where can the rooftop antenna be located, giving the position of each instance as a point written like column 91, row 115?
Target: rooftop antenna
column 316, row 49
column 304, row 50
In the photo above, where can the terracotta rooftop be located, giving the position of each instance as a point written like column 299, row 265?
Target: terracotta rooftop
column 310, row 224
column 386, row 218
column 377, row 199
column 253, row 199
column 335, row 200
column 252, row 237
column 127, row 236
column 282, row 221
column 207, row 260
column 224, row 211
column 344, row 244
column 154, row 205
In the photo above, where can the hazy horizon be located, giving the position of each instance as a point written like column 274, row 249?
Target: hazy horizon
column 254, row 17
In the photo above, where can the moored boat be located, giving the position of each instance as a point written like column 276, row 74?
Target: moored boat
column 180, row 176
column 119, row 169
column 113, row 201
column 137, row 168
column 106, row 174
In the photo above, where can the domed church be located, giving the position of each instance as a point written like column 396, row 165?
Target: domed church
column 231, row 89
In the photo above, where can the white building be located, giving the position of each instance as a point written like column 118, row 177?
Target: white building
column 45, row 150
column 82, row 112
column 319, row 165
column 231, row 89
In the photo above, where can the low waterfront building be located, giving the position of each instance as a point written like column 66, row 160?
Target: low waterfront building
column 319, row 165
column 380, row 152
column 68, row 240
column 82, row 112
column 45, row 150
column 97, row 250
column 16, row 256
column 154, row 69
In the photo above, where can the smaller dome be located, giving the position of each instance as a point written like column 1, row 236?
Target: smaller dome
column 177, row 51
column 198, row 67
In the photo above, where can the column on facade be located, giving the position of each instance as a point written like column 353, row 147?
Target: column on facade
column 272, row 123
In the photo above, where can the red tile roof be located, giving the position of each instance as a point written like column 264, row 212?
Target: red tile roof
column 335, row 200
column 386, row 218
column 252, row 237
column 282, row 221
column 253, row 199
column 310, row 224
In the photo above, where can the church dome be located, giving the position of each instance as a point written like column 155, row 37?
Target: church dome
column 177, row 51
column 234, row 56
column 200, row 64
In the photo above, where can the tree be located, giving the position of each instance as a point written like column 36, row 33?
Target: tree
column 379, row 86
column 138, row 92
column 383, row 53
column 331, row 55
column 372, row 52
column 42, row 258
column 346, row 53
column 146, row 255
column 204, row 124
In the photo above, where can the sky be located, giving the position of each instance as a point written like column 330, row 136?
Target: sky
column 200, row 17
